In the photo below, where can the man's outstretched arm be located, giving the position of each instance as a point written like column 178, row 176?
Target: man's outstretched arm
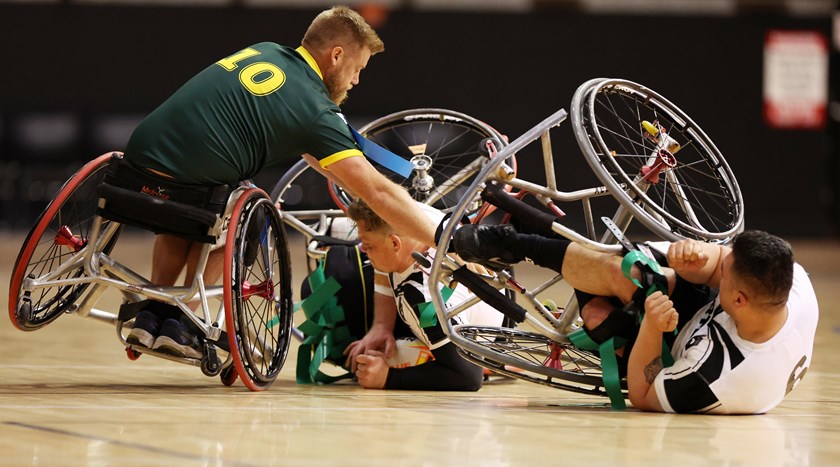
column 390, row 201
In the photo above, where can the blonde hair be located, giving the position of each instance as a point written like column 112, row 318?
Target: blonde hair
column 360, row 211
column 341, row 26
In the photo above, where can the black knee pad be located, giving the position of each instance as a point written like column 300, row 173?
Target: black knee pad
column 622, row 322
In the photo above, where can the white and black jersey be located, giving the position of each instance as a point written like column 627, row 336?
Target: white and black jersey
column 410, row 289
column 716, row 371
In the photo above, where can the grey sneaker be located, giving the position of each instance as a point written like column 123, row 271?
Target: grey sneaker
column 146, row 328
column 489, row 245
column 175, row 340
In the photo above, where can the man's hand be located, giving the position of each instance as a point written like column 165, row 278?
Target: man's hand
column 372, row 370
column 378, row 338
column 686, row 255
column 660, row 313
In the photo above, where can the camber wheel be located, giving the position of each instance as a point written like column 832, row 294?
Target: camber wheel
column 60, row 232
column 656, row 161
column 536, row 358
column 257, row 290
column 446, row 148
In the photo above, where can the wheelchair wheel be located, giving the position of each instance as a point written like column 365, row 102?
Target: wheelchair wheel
column 447, row 148
column 257, row 290
column 656, row 161
column 59, row 233
column 533, row 357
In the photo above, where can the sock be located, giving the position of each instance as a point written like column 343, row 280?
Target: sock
column 543, row 251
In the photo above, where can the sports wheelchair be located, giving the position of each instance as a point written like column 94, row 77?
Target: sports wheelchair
column 655, row 166
column 65, row 266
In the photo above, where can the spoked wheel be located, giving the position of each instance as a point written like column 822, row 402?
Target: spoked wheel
column 257, row 290
column 60, row 233
column 656, row 161
column 533, row 357
column 446, row 148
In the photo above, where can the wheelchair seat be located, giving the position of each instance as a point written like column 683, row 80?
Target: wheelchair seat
column 137, row 197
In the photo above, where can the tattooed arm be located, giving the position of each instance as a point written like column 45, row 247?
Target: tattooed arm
column 646, row 358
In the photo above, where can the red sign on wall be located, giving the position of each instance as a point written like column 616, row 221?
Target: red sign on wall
column 795, row 79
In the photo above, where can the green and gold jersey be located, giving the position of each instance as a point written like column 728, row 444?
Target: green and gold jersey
column 262, row 106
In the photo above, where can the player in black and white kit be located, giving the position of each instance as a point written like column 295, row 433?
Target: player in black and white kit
column 748, row 315
column 401, row 289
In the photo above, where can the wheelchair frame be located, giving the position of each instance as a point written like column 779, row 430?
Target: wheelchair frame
column 635, row 160
column 548, row 356
column 81, row 277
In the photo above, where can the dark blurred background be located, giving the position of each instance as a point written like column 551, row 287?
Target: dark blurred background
column 77, row 76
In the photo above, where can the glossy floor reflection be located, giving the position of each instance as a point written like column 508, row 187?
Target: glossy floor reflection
column 69, row 396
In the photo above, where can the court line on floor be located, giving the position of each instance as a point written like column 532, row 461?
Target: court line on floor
column 126, row 444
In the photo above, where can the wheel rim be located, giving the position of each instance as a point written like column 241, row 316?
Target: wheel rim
column 533, row 352
column 688, row 191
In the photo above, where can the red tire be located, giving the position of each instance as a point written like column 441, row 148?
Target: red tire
column 257, row 290
column 60, row 232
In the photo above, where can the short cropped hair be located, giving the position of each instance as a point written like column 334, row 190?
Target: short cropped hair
column 341, row 26
column 360, row 211
column 765, row 263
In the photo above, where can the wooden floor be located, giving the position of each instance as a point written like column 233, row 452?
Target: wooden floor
column 69, row 396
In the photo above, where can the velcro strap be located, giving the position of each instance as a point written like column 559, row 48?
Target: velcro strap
column 386, row 158
column 609, row 364
column 653, row 277
column 428, row 315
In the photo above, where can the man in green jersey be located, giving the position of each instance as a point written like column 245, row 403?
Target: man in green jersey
column 263, row 105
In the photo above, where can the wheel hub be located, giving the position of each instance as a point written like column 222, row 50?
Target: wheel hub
column 664, row 160
column 65, row 237
column 422, row 182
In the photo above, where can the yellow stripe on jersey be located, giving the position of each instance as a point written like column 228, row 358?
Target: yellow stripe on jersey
column 310, row 60
column 339, row 156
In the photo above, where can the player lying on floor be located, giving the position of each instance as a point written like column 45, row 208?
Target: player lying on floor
column 400, row 289
column 746, row 314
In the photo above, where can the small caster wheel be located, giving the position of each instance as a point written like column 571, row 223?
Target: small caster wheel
column 23, row 314
column 210, row 364
column 229, row 375
column 132, row 354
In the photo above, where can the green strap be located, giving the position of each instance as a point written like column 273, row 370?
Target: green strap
column 609, row 364
column 428, row 315
column 326, row 339
column 637, row 256
column 626, row 267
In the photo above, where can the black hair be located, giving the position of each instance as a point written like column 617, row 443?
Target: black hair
column 765, row 263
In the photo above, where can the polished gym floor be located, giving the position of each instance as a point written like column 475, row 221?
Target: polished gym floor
column 69, row 396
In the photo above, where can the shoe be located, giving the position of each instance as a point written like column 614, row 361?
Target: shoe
column 175, row 340
column 489, row 245
column 145, row 330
